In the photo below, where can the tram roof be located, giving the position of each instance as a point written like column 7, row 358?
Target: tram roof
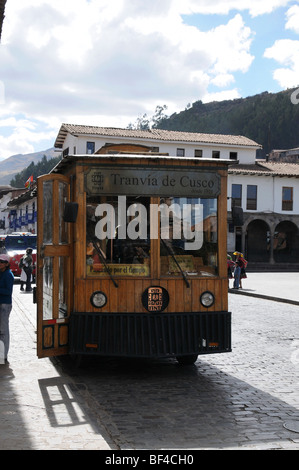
column 66, row 160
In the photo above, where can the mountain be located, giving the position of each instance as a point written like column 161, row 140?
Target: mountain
column 270, row 119
column 16, row 163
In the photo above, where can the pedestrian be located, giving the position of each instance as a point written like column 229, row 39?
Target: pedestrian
column 243, row 264
column 26, row 264
column 6, row 288
column 237, row 275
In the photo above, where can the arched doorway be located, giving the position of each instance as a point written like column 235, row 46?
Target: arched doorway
column 286, row 243
column 258, row 246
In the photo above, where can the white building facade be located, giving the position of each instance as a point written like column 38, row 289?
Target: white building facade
column 268, row 193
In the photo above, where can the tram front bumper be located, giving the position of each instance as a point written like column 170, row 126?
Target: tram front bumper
column 150, row 335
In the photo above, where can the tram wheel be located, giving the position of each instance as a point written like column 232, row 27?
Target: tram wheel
column 78, row 360
column 187, row 360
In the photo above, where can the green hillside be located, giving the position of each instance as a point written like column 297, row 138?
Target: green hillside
column 271, row 119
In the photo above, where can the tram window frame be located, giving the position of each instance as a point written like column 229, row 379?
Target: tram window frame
column 202, row 261
column 122, row 255
column 175, row 257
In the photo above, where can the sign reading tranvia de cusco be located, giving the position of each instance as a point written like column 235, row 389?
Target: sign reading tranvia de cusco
column 152, row 181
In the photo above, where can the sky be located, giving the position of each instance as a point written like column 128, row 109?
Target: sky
column 108, row 62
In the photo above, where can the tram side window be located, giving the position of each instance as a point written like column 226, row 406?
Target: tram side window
column 118, row 236
column 63, row 233
column 47, row 211
column 189, row 236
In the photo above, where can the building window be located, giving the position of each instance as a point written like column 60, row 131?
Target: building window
column 233, row 155
column 215, row 154
column 287, row 199
column 251, row 203
column 180, row 152
column 198, row 153
column 90, row 147
column 236, row 195
column 155, row 149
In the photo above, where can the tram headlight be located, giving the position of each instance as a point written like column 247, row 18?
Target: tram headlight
column 98, row 299
column 207, row 299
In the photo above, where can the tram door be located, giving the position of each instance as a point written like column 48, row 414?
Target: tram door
column 53, row 266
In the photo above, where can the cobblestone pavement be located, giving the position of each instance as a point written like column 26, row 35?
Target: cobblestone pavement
column 247, row 399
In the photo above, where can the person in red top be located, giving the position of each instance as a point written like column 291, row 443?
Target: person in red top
column 243, row 264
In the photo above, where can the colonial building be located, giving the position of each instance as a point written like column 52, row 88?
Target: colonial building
column 17, row 210
column 76, row 140
column 268, row 194
column 286, row 156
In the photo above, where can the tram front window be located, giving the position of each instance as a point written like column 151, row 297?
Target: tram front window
column 188, row 236
column 118, row 236
column 119, row 233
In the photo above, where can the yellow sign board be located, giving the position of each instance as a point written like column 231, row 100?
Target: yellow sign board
column 119, row 270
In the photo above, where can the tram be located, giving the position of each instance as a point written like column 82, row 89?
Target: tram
column 131, row 257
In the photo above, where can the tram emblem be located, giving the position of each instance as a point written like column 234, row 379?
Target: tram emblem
column 97, row 180
column 155, row 299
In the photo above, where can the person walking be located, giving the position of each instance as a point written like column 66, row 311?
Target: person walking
column 237, row 275
column 26, row 264
column 243, row 265
column 6, row 288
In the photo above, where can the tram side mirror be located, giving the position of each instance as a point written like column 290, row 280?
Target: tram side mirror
column 237, row 215
column 70, row 212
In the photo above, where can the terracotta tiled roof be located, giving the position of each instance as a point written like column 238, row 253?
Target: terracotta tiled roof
column 153, row 134
column 266, row 169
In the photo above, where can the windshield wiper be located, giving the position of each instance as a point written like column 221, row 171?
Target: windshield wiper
column 176, row 262
column 92, row 239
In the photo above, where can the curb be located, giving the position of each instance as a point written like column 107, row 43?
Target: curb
column 262, row 296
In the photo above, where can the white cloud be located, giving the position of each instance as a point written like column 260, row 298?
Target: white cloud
column 107, row 62
column 221, row 95
column 223, row 80
column 89, row 55
column 293, row 19
column 255, row 7
column 286, row 52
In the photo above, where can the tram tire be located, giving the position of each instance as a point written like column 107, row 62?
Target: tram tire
column 187, row 360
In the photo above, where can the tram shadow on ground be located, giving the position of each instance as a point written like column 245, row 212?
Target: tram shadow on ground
column 159, row 404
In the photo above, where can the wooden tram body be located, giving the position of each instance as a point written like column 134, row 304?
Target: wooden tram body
column 109, row 280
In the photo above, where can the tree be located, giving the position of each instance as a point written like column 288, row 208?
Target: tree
column 144, row 122
column 43, row 167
